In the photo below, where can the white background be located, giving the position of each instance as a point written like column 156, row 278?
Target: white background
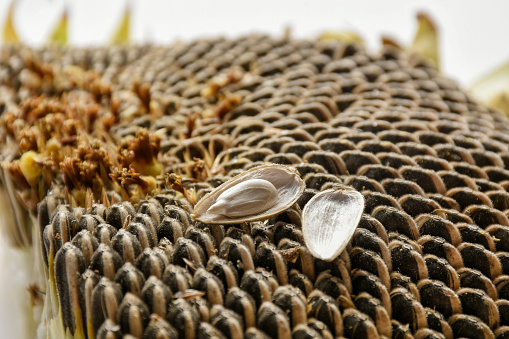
column 473, row 33
column 473, row 42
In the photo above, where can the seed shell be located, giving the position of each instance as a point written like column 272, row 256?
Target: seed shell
column 329, row 220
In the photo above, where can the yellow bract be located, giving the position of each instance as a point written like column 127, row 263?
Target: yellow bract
column 9, row 34
column 122, row 33
column 59, row 36
column 493, row 89
column 425, row 41
column 28, row 165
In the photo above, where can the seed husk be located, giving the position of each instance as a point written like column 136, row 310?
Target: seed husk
column 329, row 221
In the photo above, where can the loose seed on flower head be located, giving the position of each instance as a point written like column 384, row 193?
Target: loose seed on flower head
column 329, row 220
column 257, row 194
column 251, row 196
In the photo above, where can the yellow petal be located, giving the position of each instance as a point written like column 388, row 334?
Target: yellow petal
column 9, row 34
column 121, row 35
column 426, row 40
column 59, row 34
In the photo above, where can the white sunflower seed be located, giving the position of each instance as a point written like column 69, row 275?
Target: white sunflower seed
column 260, row 193
column 250, row 197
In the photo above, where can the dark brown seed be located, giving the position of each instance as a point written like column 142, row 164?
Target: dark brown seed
column 257, row 286
column 479, row 304
column 503, row 311
column 88, row 222
column 69, row 265
column 104, row 233
column 105, row 261
column 439, row 227
column 106, row 297
column 243, row 304
column 226, row 321
column 178, row 213
column 184, row 318
column 500, row 235
column 408, row 261
column 109, row 330
column 206, row 331
column 395, row 220
column 86, row 284
column 177, row 278
column 171, row 229
column 358, row 325
column 271, row 319
column 371, row 262
column 400, row 331
column 189, row 250
column 475, row 279
column 292, row 301
column 437, row 296
column 237, row 253
column 158, row 328
column 297, row 257
column 156, row 295
column 477, row 257
column 400, row 187
column 87, row 243
column 117, row 214
column 372, row 307
column 126, row 245
column 63, row 222
column 470, row 326
column 133, row 315
column 440, row 269
column 363, row 281
column 320, row 327
column 407, row 309
column 485, row 216
column 437, row 322
column 150, row 263
column 416, row 205
column 324, row 308
column 268, row 256
column 130, row 279
column 439, row 247
column 208, row 283
column 301, row 281
column 151, row 208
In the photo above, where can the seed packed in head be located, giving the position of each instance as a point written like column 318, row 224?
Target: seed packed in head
column 110, row 149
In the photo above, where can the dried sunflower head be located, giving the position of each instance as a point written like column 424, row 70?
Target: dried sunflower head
column 257, row 187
